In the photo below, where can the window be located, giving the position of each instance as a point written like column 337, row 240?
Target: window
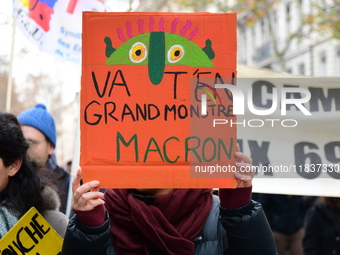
column 323, row 64
column 301, row 7
column 302, row 69
column 338, row 61
column 274, row 21
column 288, row 18
column 243, row 44
column 263, row 31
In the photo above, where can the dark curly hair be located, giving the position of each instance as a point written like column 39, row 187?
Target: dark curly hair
column 24, row 188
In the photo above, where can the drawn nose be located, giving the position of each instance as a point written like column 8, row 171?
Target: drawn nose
column 156, row 63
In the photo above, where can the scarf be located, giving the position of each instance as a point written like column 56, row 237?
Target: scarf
column 7, row 220
column 170, row 223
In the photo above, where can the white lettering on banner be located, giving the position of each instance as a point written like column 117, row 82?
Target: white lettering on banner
column 262, row 89
column 312, row 146
column 264, row 94
column 257, row 122
column 238, row 100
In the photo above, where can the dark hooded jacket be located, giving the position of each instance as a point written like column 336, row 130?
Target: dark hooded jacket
column 240, row 231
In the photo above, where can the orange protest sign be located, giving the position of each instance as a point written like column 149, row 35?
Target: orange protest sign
column 149, row 107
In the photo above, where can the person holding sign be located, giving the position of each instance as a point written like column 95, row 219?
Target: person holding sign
column 168, row 221
column 20, row 186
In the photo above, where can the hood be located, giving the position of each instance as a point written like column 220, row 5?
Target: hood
column 51, row 200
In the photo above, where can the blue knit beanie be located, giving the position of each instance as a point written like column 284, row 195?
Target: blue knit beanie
column 39, row 118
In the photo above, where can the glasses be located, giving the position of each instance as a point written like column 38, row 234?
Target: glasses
column 33, row 143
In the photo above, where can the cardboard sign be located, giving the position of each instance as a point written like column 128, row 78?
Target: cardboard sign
column 144, row 76
column 31, row 235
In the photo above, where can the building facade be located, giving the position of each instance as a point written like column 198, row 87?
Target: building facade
column 304, row 51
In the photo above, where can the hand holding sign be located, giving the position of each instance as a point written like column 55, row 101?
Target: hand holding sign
column 82, row 199
column 245, row 171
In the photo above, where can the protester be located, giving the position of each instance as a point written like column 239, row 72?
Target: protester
column 68, row 166
column 39, row 129
column 322, row 234
column 285, row 214
column 20, row 186
column 168, row 221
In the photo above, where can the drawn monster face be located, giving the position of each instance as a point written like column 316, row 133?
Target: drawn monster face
column 158, row 49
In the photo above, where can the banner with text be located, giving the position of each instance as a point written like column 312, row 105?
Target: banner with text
column 291, row 129
column 142, row 86
column 55, row 25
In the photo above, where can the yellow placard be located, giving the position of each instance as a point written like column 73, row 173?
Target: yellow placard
column 31, row 235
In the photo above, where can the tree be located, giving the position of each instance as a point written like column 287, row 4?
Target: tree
column 322, row 18
column 16, row 105
column 141, row 5
column 256, row 10
column 326, row 17
column 36, row 89
column 40, row 89
column 194, row 5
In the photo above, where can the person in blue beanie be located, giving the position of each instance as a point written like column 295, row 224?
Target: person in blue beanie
column 21, row 188
column 39, row 128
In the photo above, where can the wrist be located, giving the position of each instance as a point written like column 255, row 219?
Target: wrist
column 92, row 218
column 235, row 198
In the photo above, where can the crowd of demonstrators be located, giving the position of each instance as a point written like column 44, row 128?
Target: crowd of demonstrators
column 285, row 214
column 40, row 131
column 322, row 229
column 168, row 221
column 20, row 186
column 152, row 221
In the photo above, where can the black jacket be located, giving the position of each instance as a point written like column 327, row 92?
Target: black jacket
column 242, row 231
column 285, row 213
column 61, row 180
column 322, row 232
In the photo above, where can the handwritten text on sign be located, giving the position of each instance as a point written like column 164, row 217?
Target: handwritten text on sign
column 142, row 80
column 32, row 235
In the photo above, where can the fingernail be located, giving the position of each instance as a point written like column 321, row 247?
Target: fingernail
column 238, row 175
column 238, row 163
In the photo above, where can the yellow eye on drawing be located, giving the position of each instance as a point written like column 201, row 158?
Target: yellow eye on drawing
column 138, row 52
column 175, row 53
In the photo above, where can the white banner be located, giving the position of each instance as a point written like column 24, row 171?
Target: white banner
column 295, row 145
column 55, row 26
